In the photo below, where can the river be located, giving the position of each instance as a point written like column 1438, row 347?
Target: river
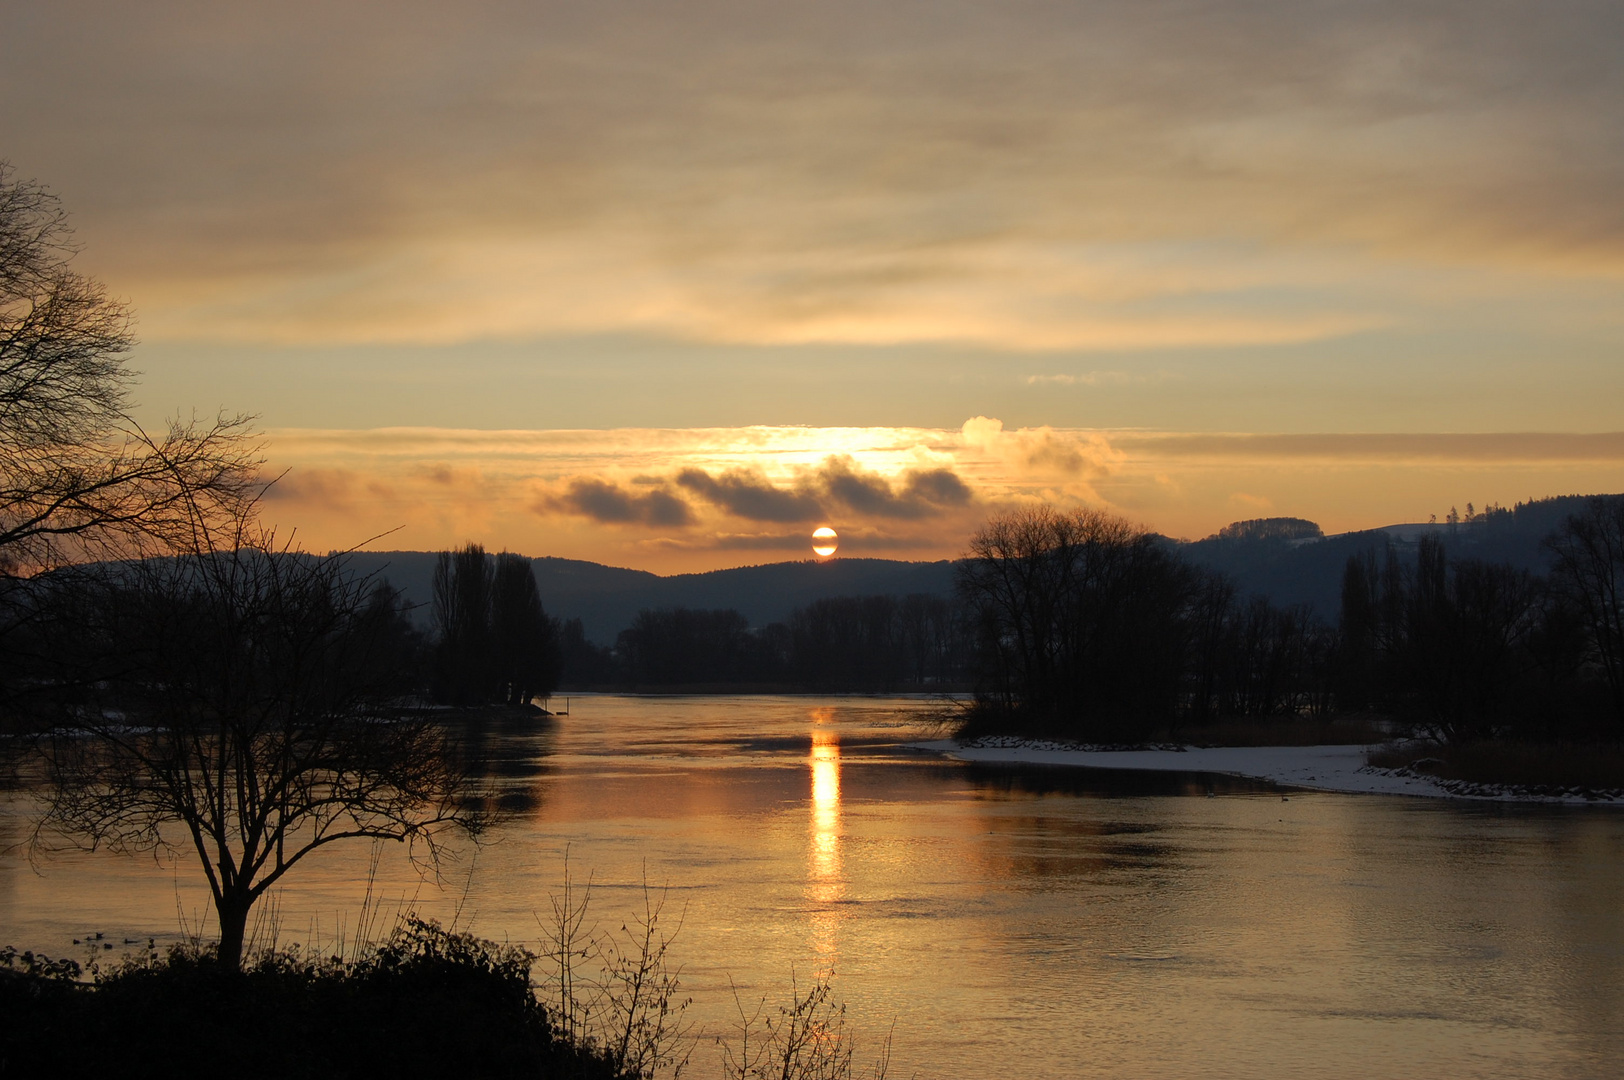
column 1036, row 922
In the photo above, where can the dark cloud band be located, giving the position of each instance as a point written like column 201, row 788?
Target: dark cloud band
column 613, row 505
column 751, row 496
column 838, row 487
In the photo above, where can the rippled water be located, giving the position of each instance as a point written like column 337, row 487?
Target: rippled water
column 1012, row 922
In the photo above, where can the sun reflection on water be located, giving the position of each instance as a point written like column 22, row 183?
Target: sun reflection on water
column 826, row 886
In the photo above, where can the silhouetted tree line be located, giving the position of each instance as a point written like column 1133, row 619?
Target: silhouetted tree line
column 1458, row 645
column 1471, row 649
column 494, row 642
column 584, row 663
column 684, row 645
column 878, row 643
column 1090, row 627
column 1084, row 624
column 1254, row 659
column 844, row 643
column 1275, row 528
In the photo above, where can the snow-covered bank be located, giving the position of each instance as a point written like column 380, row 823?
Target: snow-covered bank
column 1318, row 768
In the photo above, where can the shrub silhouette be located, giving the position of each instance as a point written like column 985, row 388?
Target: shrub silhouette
column 428, row 1003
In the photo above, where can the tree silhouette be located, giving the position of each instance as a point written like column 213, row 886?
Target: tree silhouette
column 524, row 642
column 1083, row 621
column 685, row 645
column 246, row 695
column 496, row 643
column 1589, row 550
column 78, row 477
column 462, row 612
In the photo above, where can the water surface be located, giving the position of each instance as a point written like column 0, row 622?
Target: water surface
column 1012, row 922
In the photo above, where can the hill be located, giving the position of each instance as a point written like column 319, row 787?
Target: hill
column 607, row 598
column 1284, row 559
column 1308, row 570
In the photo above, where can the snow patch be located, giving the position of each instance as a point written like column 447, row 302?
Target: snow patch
column 1316, row 768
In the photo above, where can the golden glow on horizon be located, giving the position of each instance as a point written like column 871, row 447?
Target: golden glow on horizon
column 824, row 542
column 674, row 500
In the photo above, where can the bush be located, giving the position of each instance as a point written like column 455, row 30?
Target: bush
column 428, row 1003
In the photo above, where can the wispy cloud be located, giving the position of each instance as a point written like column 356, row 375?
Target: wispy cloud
column 1465, row 449
column 1098, row 378
column 1034, row 176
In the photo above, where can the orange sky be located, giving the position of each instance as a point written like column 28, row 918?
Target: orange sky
column 467, row 263
column 674, row 500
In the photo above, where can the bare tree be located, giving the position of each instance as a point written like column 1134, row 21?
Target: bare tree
column 78, row 477
column 1082, row 618
column 244, row 705
column 1589, row 550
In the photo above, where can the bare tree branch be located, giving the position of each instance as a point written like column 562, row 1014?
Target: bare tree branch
column 248, row 694
column 79, row 478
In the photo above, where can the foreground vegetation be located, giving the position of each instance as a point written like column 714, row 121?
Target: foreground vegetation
column 428, row 1002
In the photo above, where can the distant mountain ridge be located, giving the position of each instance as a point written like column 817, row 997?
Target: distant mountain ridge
column 1281, row 558
column 1309, row 571
column 607, row 598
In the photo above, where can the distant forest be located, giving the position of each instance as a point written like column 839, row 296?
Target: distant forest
column 490, row 641
column 881, row 643
column 1287, row 560
column 1084, row 626
column 1091, row 629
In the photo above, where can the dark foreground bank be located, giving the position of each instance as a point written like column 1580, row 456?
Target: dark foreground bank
column 429, row 1003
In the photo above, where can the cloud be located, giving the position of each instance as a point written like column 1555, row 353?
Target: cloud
column 612, row 505
column 673, row 499
column 751, row 495
column 1044, row 449
column 781, row 542
column 922, row 492
column 1042, row 175
column 838, row 483
column 837, row 487
column 853, row 542
column 938, row 487
column 1350, row 449
column 330, row 489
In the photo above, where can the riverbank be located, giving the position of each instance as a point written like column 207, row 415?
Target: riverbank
column 1315, row 768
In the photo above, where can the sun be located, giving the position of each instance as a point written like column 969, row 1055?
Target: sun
column 824, row 541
